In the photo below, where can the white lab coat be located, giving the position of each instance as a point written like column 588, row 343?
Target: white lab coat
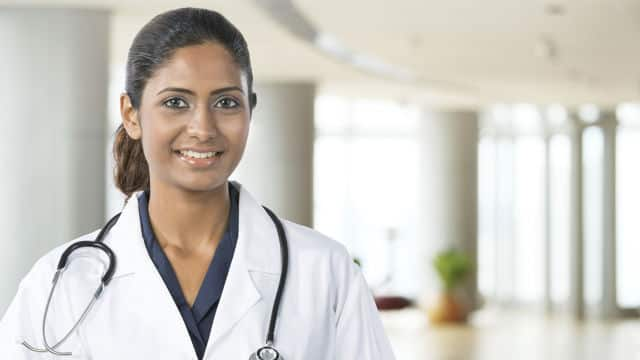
column 327, row 311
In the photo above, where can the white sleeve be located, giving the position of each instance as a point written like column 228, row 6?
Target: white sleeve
column 360, row 334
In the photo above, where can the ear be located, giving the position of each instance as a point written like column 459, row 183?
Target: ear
column 129, row 116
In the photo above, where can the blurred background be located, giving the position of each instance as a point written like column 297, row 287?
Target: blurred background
column 476, row 158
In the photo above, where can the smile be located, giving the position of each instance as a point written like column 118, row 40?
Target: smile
column 199, row 155
column 199, row 159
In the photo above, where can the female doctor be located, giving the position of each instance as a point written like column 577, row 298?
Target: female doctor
column 198, row 261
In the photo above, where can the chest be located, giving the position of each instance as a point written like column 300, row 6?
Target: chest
column 190, row 271
column 138, row 319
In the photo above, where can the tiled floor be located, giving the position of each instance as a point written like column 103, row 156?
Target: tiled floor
column 499, row 335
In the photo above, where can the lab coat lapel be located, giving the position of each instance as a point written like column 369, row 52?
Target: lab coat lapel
column 255, row 250
column 125, row 239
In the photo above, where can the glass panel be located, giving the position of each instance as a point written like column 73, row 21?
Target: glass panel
column 365, row 185
column 332, row 114
column 629, row 115
column 385, row 205
column 527, row 120
column 486, row 217
column 504, row 220
column 593, row 146
column 529, row 219
column 560, row 177
column 331, row 193
column 384, row 117
column 628, row 208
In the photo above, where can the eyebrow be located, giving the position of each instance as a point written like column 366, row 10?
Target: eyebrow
column 214, row 92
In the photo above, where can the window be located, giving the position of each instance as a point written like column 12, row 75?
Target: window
column 512, row 205
column 559, row 198
column 529, row 210
column 487, row 247
column 592, row 168
column 628, row 206
column 366, row 180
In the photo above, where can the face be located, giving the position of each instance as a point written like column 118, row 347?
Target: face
column 193, row 119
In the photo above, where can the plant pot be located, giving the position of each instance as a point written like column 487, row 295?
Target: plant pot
column 447, row 309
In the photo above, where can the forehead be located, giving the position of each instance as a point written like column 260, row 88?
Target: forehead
column 198, row 67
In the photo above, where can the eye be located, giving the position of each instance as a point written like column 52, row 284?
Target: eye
column 176, row 103
column 227, row 103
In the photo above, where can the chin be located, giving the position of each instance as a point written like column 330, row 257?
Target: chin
column 201, row 185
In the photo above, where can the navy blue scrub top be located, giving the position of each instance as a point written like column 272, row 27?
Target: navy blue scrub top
column 199, row 318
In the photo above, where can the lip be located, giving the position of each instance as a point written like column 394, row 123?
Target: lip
column 199, row 163
column 202, row 150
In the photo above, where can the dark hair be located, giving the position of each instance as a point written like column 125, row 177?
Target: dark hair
column 152, row 47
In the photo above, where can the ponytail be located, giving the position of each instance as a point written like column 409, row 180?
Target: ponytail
column 131, row 172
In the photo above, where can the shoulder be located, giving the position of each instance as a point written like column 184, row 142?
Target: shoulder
column 44, row 268
column 326, row 265
column 327, row 259
column 303, row 238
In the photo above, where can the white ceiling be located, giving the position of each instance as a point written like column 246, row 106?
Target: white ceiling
column 471, row 52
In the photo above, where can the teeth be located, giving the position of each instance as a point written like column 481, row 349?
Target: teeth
column 198, row 155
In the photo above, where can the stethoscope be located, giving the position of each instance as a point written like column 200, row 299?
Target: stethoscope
column 266, row 352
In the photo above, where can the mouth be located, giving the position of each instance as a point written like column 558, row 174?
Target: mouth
column 199, row 159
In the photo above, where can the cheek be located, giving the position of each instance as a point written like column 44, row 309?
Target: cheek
column 157, row 136
column 237, row 132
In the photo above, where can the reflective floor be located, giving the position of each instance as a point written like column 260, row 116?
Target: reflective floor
column 499, row 335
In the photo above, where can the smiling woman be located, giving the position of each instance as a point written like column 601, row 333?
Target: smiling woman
column 199, row 270
column 214, row 55
column 193, row 120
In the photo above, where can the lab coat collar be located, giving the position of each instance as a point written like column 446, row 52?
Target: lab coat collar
column 257, row 250
column 258, row 246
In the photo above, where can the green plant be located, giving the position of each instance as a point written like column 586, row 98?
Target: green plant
column 357, row 261
column 452, row 267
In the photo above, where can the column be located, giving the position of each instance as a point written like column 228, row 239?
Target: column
column 609, row 306
column 576, row 247
column 277, row 167
column 52, row 137
column 449, row 168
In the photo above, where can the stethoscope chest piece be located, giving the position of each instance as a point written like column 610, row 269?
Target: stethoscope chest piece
column 266, row 353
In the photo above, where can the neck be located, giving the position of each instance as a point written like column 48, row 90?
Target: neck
column 188, row 221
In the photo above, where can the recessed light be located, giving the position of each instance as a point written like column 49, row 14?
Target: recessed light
column 554, row 9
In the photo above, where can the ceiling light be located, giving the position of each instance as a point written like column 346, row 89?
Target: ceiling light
column 545, row 48
column 554, row 9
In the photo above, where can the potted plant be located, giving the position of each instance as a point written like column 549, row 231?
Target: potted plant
column 452, row 267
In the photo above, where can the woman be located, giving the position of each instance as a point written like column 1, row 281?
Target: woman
column 198, row 259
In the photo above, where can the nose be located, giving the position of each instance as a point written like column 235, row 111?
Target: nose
column 203, row 125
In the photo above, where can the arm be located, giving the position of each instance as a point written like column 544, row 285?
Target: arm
column 360, row 334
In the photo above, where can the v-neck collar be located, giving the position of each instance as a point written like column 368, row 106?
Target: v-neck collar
column 211, row 289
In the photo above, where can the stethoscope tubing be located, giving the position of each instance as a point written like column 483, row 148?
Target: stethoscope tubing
column 99, row 244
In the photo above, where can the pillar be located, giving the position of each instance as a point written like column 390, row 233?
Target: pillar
column 609, row 305
column 53, row 69
column 277, row 167
column 449, row 192
column 548, row 306
column 576, row 242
